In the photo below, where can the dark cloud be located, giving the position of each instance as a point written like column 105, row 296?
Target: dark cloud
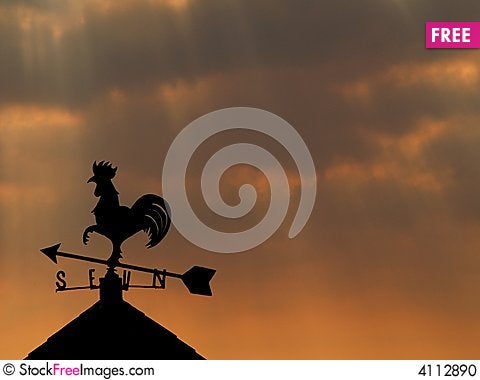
column 455, row 156
column 35, row 4
column 143, row 43
column 396, row 110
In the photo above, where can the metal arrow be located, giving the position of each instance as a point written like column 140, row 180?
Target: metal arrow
column 196, row 279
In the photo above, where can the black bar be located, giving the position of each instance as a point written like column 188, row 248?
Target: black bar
column 76, row 288
column 146, row 287
column 84, row 258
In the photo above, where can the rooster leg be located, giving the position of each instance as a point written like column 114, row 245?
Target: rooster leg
column 88, row 231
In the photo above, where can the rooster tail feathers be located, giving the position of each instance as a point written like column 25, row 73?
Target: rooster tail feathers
column 153, row 214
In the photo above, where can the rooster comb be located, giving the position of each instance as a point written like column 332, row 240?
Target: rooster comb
column 104, row 169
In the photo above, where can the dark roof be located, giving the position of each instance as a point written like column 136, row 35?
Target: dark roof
column 113, row 329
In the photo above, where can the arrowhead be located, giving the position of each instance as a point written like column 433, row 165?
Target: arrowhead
column 51, row 252
column 197, row 280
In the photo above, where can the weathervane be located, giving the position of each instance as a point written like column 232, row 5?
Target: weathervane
column 150, row 213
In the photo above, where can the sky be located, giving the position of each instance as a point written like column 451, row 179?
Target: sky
column 388, row 265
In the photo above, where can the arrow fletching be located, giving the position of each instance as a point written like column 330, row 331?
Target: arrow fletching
column 197, row 280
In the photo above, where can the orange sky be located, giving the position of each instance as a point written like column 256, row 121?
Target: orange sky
column 387, row 266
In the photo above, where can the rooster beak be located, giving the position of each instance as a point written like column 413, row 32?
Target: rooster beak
column 92, row 179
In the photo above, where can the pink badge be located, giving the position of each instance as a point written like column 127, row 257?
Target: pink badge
column 452, row 35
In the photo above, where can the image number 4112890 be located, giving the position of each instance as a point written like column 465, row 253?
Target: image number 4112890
column 448, row 370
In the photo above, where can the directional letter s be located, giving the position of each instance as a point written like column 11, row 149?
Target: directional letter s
column 61, row 283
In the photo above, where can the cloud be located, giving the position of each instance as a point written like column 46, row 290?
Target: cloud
column 15, row 195
column 73, row 52
column 15, row 117
column 455, row 155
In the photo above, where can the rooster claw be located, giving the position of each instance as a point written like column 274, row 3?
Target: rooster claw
column 87, row 232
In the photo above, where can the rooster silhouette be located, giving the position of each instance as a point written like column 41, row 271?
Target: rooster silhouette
column 150, row 213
